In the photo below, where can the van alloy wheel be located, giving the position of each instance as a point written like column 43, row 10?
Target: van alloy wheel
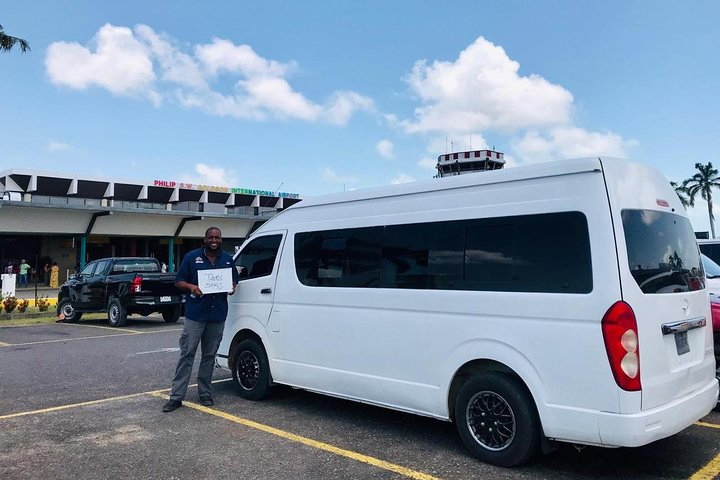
column 248, row 370
column 251, row 369
column 491, row 420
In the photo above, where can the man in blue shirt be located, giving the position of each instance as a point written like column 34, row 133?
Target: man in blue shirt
column 204, row 317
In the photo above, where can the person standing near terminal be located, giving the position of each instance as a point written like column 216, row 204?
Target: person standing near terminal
column 204, row 318
column 23, row 270
column 54, row 275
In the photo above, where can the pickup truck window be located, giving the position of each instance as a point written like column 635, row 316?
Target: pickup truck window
column 135, row 266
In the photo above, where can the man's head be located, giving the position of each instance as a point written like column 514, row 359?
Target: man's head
column 213, row 239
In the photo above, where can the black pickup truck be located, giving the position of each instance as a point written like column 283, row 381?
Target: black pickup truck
column 120, row 286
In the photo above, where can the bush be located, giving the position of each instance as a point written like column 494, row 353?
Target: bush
column 22, row 305
column 10, row 303
column 43, row 304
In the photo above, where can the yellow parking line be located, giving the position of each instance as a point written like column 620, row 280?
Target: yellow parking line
column 3, row 344
column 122, row 334
column 313, row 443
column 81, row 404
column 709, row 471
column 102, row 400
column 66, row 340
column 710, row 425
column 100, row 326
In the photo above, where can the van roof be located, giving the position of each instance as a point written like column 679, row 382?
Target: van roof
column 539, row 170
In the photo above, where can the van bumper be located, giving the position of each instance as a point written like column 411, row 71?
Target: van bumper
column 647, row 426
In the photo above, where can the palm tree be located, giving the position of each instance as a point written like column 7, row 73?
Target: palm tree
column 682, row 193
column 7, row 42
column 703, row 182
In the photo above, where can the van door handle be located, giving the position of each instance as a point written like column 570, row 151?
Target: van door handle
column 266, row 290
column 684, row 326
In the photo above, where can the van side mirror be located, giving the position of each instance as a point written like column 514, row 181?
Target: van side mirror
column 242, row 271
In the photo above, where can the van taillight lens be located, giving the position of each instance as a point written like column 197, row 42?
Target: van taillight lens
column 619, row 328
column 136, row 285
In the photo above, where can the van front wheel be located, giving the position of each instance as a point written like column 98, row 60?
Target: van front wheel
column 497, row 419
column 251, row 370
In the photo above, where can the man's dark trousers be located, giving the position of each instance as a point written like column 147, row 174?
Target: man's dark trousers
column 208, row 335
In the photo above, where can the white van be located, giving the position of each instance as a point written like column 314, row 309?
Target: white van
column 555, row 302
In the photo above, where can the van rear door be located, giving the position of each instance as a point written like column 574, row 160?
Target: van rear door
column 662, row 280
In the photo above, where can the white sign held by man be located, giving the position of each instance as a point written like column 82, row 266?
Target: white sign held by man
column 215, row 280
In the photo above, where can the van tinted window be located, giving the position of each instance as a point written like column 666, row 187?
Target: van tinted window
column 663, row 255
column 258, row 257
column 528, row 253
column 339, row 258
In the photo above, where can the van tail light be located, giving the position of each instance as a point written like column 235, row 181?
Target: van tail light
column 715, row 310
column 136, row 285
column 619, row 328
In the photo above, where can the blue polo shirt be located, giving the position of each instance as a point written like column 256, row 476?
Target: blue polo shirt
column 211, row 307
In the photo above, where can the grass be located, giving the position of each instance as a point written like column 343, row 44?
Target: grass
column 50, row 318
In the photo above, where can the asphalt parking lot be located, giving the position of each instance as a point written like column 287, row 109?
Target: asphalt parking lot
column 84, row 401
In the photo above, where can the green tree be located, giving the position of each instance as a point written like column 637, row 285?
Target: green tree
column 682, row 193
column 7, row 42
column 703, row 182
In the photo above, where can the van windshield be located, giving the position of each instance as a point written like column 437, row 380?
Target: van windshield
column 662, row 252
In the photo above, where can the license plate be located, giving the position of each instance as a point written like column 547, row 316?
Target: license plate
column 166, row 299
column 681, row 343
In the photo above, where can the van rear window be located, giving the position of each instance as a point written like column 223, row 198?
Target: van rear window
column 663, row 255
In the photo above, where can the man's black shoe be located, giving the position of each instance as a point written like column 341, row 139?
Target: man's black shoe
column 172, row 405
column 206, row 401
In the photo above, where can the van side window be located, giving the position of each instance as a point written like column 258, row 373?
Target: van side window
column 404, row 256
column 339, row 258
column 258, row 257
column 525, row 253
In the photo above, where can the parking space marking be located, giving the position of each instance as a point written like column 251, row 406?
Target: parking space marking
column 404, row 471
column 81, row 404
column 3, row 344
column 709, row 471
column 99, row 326
column 710, row 425
column 137, row 332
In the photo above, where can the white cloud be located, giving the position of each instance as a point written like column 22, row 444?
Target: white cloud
column 55, row 146
column 143, row 62
column 209, row 175
column 385, row 148
column 427, row 163
column 483, row 90
column 330, row 175
column 402, row 178
column 120, row 63
column 569, row 142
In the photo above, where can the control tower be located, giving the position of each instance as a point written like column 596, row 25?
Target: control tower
column 460, row 163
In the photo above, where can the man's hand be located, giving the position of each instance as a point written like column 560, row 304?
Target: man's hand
column 233, row 290
column 195, row 290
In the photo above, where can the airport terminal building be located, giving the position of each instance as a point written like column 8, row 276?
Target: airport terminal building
column 47, row 217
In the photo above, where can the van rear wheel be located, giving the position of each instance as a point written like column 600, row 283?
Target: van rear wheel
column 251, row 370
column 497, row 420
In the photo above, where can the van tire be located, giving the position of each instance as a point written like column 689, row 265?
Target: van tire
column 67, row 308
column 251, row 370
column 117, row 314
column 171, row 314
column 505, row 401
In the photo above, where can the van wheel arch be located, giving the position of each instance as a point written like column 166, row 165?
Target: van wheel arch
column 473, row 368
column 244, row 334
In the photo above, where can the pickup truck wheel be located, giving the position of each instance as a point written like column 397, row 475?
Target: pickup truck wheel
column 251, row 370
column 117, row 315
column 172, row 314
column 67, row 309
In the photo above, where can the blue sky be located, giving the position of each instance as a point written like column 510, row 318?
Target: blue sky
column 315, row 97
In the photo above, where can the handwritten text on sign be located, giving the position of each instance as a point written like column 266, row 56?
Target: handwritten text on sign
column 215, row 281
